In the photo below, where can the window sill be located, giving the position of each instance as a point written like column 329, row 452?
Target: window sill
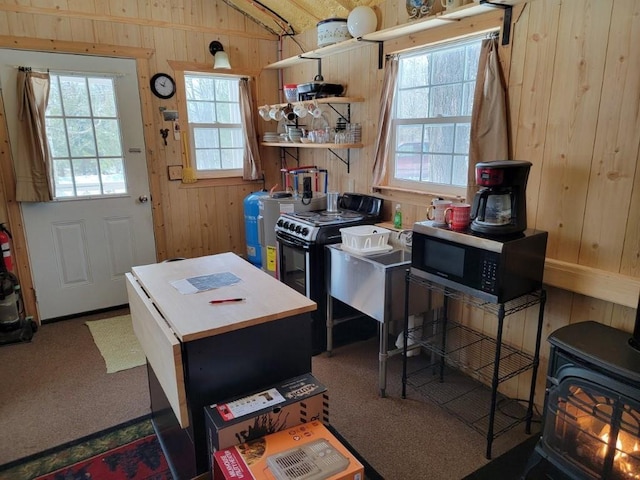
column 419, row 193
column 219, row 182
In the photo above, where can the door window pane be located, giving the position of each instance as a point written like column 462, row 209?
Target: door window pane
column 84, row 136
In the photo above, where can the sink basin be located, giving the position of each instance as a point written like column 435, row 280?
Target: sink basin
column 393, row 259
column 374, row 284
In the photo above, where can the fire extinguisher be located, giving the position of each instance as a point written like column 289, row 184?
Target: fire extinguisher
column 5, row 237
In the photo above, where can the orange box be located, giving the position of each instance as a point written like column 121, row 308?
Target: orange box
column 307, row 452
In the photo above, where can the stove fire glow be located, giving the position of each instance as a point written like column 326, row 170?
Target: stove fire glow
column 598, row 433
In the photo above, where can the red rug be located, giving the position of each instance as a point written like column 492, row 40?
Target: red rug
column 139, row 460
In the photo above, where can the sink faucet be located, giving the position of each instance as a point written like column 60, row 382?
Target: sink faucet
column 408, row 237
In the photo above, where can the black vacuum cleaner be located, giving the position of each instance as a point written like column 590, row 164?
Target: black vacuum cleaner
column 15, row 326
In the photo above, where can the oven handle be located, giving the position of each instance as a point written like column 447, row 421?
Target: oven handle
column 292, row 243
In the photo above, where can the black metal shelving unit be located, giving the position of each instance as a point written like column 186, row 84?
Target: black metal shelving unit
column 466, row 367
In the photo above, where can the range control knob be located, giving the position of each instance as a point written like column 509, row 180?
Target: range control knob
column 305, row 230
column 298, row 229
column 292, row 227
column 286, row 225
column 279, row 222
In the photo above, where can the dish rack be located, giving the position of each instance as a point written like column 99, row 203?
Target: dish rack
column 365, row 239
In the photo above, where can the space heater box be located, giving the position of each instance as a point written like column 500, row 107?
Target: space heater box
column 306, row 452
column 298, row 400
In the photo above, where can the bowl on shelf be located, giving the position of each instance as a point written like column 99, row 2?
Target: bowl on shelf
column 305, row 140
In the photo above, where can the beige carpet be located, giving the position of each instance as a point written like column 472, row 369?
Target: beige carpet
column 117, row 343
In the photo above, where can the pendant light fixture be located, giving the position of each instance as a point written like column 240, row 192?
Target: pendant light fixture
column 220, row 57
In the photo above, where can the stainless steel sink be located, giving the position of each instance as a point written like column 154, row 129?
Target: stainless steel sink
column 375, row 285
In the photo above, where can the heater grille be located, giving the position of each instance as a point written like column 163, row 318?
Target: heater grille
column 312, row 461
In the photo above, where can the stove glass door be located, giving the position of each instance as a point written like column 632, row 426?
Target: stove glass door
column 593, row 430
column 293, row 268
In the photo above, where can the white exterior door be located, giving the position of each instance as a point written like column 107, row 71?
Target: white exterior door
column 80, row 249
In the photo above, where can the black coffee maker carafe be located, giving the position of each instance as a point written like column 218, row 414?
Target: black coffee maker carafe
column 500, row 207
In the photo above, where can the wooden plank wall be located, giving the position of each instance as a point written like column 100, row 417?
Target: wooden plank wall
column 573, row 74
column 573, row 79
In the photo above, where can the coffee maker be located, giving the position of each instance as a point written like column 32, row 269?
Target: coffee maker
column 500, row 207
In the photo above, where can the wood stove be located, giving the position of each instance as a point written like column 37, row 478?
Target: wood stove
column 591, row 420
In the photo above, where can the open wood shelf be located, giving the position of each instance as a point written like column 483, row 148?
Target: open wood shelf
column 324, row 101
column 432, row 21
column 312, row 145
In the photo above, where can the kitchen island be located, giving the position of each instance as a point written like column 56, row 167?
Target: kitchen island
column 200, row 353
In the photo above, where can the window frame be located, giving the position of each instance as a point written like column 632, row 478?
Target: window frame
column 191, row 126
column 418, row 186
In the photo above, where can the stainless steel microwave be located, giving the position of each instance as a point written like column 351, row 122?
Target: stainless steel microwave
column 491, row 268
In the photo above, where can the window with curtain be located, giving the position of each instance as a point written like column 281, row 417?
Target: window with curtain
column 431, row 119
column 84, row 136
column 216, row 138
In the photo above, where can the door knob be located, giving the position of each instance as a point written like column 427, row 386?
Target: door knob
column 143, row 199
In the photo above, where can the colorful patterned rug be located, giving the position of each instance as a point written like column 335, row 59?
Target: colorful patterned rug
column 138, row 460
column 129, row 451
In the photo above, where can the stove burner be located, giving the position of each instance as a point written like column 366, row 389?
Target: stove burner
column 322, row 217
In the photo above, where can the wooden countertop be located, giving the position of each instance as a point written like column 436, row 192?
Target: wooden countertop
column 191, row 316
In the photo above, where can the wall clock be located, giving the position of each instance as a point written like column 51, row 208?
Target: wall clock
column 163, row 86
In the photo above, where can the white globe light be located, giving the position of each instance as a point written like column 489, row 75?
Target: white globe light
column 361, row 20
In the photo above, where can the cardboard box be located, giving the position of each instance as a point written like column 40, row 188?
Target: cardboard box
column 306, row 452
column 297, row 400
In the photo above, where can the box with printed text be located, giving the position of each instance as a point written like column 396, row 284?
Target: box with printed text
column 306, row 452
column 297, row 400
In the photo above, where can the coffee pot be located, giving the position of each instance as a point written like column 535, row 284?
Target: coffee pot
column 500, row 207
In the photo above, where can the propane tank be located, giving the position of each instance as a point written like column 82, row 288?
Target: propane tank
column 5, row 245
column 251, row 212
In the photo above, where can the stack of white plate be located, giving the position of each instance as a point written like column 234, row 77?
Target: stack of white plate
column 271, row 137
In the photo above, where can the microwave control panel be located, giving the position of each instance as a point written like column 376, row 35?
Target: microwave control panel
column 489, row 275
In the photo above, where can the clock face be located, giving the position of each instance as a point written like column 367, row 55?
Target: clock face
column 162, row 85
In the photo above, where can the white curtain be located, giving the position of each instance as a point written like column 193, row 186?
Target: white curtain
column 33, row 161
column 489, row 129
column 384, row 120
column 251, row 165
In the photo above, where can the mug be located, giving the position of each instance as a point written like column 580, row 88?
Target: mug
column 276, row 114
column 288, row 113
column 436, row 210
column 315, row 110
column 451, row 4
column 300, row 110
column 264, row 112
column 458, row 216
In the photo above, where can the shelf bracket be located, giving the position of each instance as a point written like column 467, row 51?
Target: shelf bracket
column 380, row 50
column 506, row 21
column 317, row 59
column 346, row 162
column 346, row 118
column 286, row 152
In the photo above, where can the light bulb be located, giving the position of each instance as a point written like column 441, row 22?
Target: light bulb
column 361, row 20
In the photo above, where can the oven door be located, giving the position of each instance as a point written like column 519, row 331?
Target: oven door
column 293, row 264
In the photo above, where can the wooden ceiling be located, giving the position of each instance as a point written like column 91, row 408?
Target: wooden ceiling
column 287, row 17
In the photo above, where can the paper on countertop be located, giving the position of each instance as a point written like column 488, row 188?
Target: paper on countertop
column 204, row 282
